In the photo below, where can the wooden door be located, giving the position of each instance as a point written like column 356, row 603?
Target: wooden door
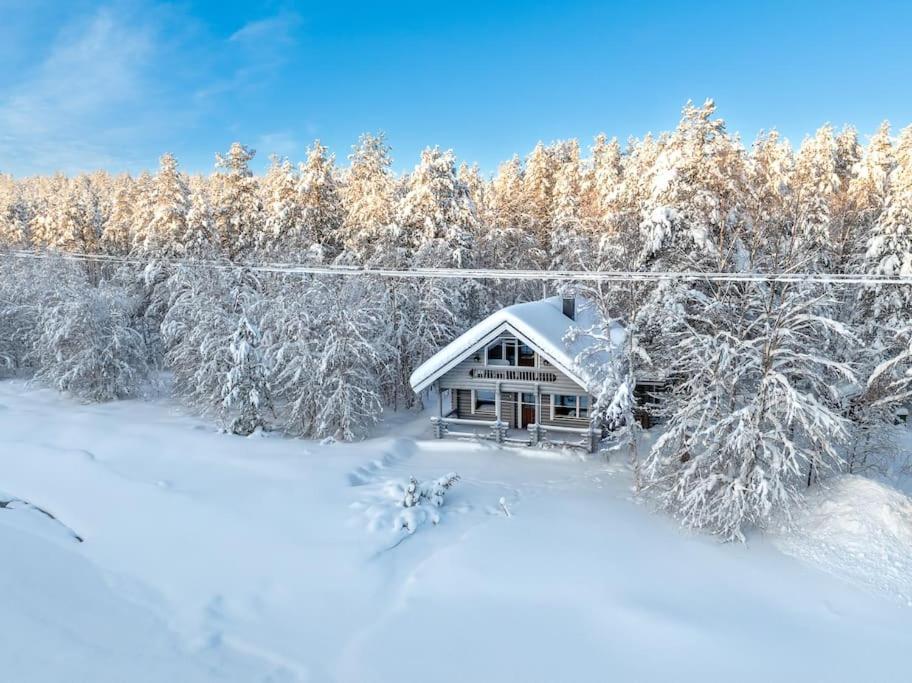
column 528, row 415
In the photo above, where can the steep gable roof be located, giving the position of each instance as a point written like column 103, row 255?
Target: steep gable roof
column 541, row 324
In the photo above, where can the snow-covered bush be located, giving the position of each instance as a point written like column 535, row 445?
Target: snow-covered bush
column 430, row 492
column 418, row 496
column 88, row 344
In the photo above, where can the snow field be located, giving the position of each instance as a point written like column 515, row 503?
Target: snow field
column 210, row 557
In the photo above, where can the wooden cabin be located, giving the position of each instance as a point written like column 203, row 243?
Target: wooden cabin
column 513, row 378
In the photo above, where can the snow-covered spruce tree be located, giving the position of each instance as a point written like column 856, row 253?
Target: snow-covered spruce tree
column 347, row 376
column 238, row 209
column 318, row 197
column 367, row 197
column 244, row 394
column 869, row 187
column 88, row 344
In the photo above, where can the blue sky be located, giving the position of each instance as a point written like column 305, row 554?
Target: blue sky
column 87, row 85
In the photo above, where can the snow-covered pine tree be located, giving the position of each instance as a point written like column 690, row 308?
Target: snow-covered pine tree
column 367, row 197
column 568, row 243
column 117, row 236
column 692, row 215
column 538, row 192
column 436, row 206
column 887, row 309
column 506, row 240
column 199, row 241
column 196, row 332
column 320, row 202
column 14, row 215
column 170, row 208
column 477, row 188
column 283, row 231
column 753, row 417
column 815, row 185
column 867, row 193
column 239, row 211
column 602, row 184
column 292, row 348
column 353, row 352
column 143, row 196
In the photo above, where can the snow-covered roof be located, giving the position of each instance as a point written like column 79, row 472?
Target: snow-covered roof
column 541, row 324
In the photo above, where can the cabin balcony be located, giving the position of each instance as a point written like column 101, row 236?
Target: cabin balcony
column 512, row 373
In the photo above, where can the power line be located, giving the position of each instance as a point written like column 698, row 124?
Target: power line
column 492, row 274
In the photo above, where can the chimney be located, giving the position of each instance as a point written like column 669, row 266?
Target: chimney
column 569, row 307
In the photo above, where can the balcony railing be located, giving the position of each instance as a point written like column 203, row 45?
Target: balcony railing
column 513, row 373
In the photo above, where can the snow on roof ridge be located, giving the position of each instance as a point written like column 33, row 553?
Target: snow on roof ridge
column 542, row 324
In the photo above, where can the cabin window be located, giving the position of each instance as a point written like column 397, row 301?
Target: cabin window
column 566, row 405
column 495, row 353
column 484, row 398
column 510, row 352
column 526, row 356
column 507, row 351
column 528, row 398
column 583, row 406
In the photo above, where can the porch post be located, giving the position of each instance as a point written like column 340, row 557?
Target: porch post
column 438, row 423
column 537, row 412
column 497, row 426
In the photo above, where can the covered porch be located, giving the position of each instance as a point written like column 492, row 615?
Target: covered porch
column 515, row 417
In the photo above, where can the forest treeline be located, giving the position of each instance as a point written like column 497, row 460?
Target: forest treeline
column 772, row 385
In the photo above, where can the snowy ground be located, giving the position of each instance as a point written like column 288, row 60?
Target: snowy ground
column 208, row 557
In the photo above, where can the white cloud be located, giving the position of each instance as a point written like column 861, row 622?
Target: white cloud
column 81, row 103
column 258, row 49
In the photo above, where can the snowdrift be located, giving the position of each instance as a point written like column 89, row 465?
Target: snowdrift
column 857, row 529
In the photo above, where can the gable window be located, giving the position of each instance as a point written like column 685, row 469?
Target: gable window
column 567, row 405
column 496, row 353
column 509, row 351
column 526, row 356
column 483, row 400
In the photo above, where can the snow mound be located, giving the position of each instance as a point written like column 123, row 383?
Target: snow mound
column 857, row 529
